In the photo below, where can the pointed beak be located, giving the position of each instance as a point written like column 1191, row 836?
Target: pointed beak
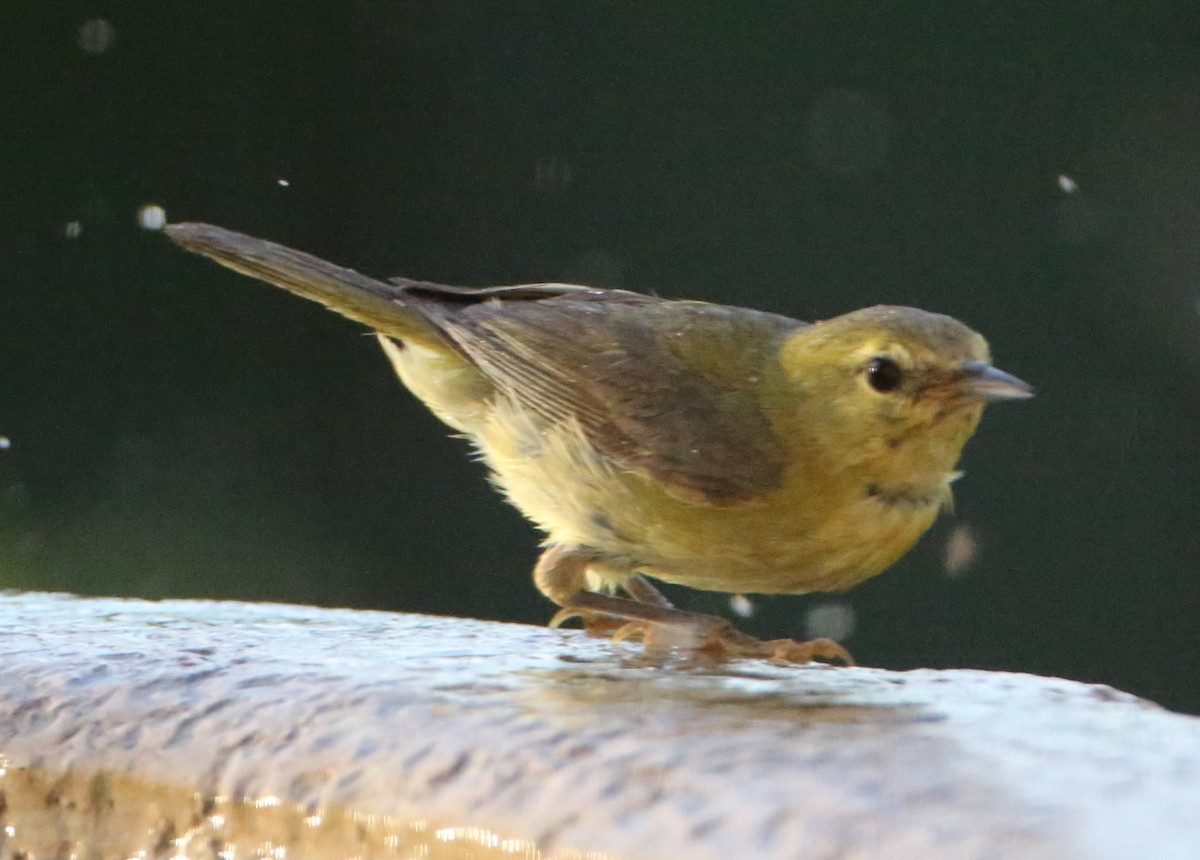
column 991, row 384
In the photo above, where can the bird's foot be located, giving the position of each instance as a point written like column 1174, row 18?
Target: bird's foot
column 663, row 631
column 594, row 623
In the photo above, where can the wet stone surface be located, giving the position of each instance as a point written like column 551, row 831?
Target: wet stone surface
column 187, row 728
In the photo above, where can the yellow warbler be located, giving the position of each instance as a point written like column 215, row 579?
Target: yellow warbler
column 716, row 447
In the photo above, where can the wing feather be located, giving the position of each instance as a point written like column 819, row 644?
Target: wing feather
column 616, row 368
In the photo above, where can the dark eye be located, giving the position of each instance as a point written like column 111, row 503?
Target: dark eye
column 883, row 374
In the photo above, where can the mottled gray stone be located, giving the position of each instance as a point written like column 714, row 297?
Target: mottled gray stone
column 189, row 728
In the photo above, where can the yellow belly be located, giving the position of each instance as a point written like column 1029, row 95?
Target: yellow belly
column 810, row 535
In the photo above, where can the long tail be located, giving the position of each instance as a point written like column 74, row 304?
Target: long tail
column 377, row 304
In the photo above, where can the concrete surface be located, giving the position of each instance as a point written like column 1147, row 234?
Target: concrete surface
column 224, row 730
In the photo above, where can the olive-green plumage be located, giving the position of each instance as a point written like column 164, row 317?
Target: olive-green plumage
column 717, row 447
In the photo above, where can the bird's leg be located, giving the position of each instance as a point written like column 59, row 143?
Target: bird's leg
column 640, row 589
column 562, row 572
column 562, row 575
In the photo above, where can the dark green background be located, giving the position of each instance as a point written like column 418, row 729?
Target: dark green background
column 178, row 430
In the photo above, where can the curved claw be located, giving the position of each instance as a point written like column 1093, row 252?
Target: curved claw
column 632, row 630
column 790, row 651
column 594, row 623
column 565, row 614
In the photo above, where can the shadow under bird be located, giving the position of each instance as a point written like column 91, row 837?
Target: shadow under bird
column 716, row 447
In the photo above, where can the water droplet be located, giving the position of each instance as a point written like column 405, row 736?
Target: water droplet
column 962, row 550
column 96, row 36
column 73, row 229
column 834, row 619
column 741, row 605
column 152, row 217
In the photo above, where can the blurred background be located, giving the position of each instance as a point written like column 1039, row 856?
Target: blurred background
column 168, row 428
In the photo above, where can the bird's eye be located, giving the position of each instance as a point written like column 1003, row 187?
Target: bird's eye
column 883, row 374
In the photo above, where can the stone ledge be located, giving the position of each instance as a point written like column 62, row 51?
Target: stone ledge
column 188, row 728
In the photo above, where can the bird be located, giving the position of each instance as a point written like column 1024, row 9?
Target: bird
column 714, row 447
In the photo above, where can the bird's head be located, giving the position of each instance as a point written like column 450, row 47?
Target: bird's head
column 897, row 382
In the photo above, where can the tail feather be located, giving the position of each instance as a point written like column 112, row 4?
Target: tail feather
column 375, row 303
